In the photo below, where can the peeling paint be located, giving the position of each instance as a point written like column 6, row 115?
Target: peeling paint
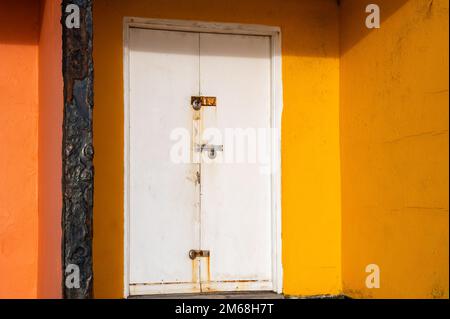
column 78, row 151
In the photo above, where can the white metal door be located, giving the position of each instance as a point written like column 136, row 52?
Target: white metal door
column 222, row 206
column 163, row 199
column 236, row 211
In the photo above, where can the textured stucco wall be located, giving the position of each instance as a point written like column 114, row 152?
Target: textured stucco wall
column 50, row 141
column 30, row 137
column 394, row 146
column 19, row 35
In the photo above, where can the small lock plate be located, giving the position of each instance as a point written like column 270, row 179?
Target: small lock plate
column 198, row 101
column 194, row 254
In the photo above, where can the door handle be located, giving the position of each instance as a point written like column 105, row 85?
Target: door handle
column 210, row 148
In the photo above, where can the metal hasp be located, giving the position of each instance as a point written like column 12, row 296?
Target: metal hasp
column 198, row 101
column 211, row 149
column 77, row 153
column 194, row 254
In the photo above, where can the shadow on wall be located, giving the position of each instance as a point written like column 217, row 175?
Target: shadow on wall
column 14, row 15
column 352, row 11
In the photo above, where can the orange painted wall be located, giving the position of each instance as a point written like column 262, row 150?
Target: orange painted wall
column 394, row 139
column 19, row 36
column 50, row 141
column 311, row 219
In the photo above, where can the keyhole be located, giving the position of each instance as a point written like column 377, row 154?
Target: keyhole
column 212, row 154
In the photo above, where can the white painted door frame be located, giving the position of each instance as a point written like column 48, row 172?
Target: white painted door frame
column 276, row 112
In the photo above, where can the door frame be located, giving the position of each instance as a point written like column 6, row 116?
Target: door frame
column 276, row 112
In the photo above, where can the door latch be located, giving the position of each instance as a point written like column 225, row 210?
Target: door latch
column 211, row 149
column 198, row 101
column 194, row 254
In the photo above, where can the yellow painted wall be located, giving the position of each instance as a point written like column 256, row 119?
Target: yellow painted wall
column 394, row 146
column 310, row 139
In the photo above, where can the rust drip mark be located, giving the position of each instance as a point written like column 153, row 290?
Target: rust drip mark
column 195, row 271
column 205, row 273
column 199, row 178
column 194, row 177
column 208, row 265
column 197, row 115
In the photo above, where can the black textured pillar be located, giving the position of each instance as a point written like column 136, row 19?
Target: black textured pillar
column 77, row 148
